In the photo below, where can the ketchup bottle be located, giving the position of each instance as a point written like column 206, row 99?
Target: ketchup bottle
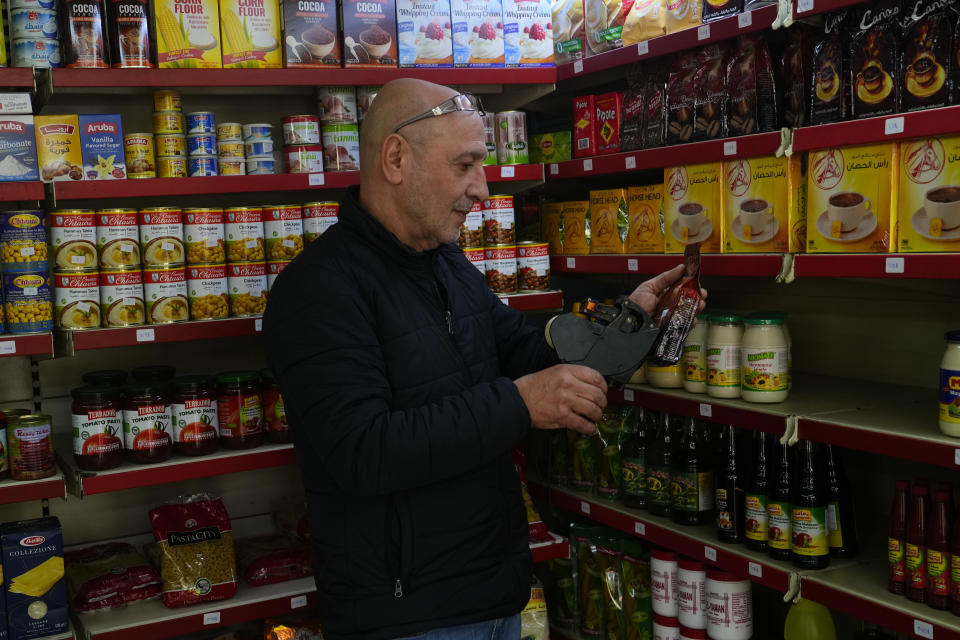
column 955, row 568
column 938, row 552
column 896, row 542
column 917, row 544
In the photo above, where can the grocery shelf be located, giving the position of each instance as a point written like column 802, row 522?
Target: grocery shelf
column 807, row 8
column 917, row 124
column 722, row 29
column 697, row 542
column 19, row 191
column 12, row 491
column 68, row 342
column 514, row 172
column 759, row 144
column 766, row 265
column 28, row 344
column 943, row 266
column 557, row 547
column 536, row 301
column 66, row 635
column 152, row 621
column 16, row 78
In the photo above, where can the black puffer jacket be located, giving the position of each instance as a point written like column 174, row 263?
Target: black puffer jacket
column 396, row 369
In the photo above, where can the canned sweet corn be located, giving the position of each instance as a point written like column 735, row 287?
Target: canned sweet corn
column 172, row 167
column 23, row 241
column 27, row 301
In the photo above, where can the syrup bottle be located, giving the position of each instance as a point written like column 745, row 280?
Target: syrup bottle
column 677, row 311
column 755, row 501
column 730, row 490
column 811, row 550
column 779, row 508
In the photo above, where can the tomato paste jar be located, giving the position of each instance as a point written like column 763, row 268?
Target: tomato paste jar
column 105, row 378
column 239, row 409
column 195, row 423
column 147, row 422
column 274, row 413
column 154, row 373
column 97, row 419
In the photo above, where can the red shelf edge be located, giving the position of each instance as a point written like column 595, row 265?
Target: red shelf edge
column 694, row 408
column 934, row 266
column 32, row 344
column 885, row 444
column 179, row 332
column 917, row 124
column 16, row 78
column 823, row 6
column 54, row 487
column 19, row 191
column 761, row 265
column 534, row 301
column 555, row 550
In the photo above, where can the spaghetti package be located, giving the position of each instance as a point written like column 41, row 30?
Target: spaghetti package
column 34, row 588
column 274, row 558
column 109, row 575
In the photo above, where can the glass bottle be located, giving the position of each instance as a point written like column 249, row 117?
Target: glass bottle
column 695, row 356
column 677, row 310
column 916, row 547
column 147, row 418
column 658, row 470
column 896, row 540
column 730, row 490
column 809, row 522
column 693, row 480
column 633, row 459
column 755, row 500
column 239, row 409
column 97, row 420
column 841, row 515
column 938, row 552
column 780, row 509
column 955, row 568
column 724, row 345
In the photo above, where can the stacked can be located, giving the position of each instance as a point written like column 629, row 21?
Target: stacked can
column 203, row 234
column 230, row 149
column 73, row 251
column 302, row 152
column 24, row 272
column 511, row 135
column 246, row 264
column 340, row 131
column 121, row 278
column 258, row 146
column 202, row 151
column 283, row 231
column 35, row 34
column 317, row 218
column 169, row 135
column 164, row 277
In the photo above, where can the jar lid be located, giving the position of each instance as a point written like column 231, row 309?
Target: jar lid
column 96, row 393
column 232, row 377
column 266, row 373
column 150, row 388
column 764, row 319
column 105, row 377
column 952, row 336
column 154, row 373
column 194, row 383
column 726, row 318
column 690, row 565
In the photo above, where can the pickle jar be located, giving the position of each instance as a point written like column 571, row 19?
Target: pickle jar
column 147, row 422
column 239, row 409
column 274, row 412
column 105, row 378
column 195, row 422
column 96, row 415
column 154, row 373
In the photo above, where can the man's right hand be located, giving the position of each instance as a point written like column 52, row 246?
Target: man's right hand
column 565, row 396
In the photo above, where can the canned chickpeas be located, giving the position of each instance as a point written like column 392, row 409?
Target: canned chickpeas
column 73, row 239
column 283, row 231
column 243, row 228
column 76, row 299
column 161, row 236
column 274, row 268
column 207, row 291
column 118, row 238
column 500, row 264
column 121, row 297
column 533, row 266
column 203, row 235
column 247, row 282
column 165, row 294
column 28, row 301
column 317, row 218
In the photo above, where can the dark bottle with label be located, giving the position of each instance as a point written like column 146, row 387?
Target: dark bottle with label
column 955, row 568
column 841, row 516
column 660, row 452
column 811, row 550
column 677, row 310
column 633, row 459
column 730, row 490
column 916, row 547
column 780, row 508
column 692, row 475
column 897, row 540
column 755, row 501
column 938, row 552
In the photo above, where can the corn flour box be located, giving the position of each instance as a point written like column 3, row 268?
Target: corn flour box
column 58, row 148
column 18, row 149
column 187, row 33
column 644, row 206
column 849, row 197
column 250, row 33
column 692, row 199
column 528, row 33
column 576, row 227
column 609, row 220
column 34, row 585
column 797, row 202
column 101, row 141
column 755, row 205
column 929, row 198
column 477, row 33
column 424, row 34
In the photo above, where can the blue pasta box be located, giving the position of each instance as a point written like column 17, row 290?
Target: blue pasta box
column 34, row 585
column 101, row 143
column 18, row 149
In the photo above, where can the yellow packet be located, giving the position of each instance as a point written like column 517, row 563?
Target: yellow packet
column 551, row 226
column 755, row 205
column 797, row 203
column 644, row 205
column 683, row 14
column 576, row 227
column 608, row 220
column 59, row 154
column 250, row 32
column 691, row 207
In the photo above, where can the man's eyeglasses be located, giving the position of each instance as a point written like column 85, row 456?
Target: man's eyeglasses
column 459, row 102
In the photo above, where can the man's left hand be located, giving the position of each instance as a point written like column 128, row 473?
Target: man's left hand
column 647, row 295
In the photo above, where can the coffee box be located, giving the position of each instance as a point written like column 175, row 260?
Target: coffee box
column 576, row 227
column 929, row 198
column 18, row 149
column 875, row 37
column 609, row 220
column 830, row 77
column 250, row 32
column 527, row 33
column 372, row 27
column 58, row 148
column 797, row 202
column 477, row 33
column 755, row 205
column 644, row 207
column 693, row 196
column 34, row 584
column 607, row 106
column 568, row 31
column 424, row 34
column 551, row 226
column 314, row 27
column 101, row 141
column 849, row 199
column 584, row 127
column 187, row 34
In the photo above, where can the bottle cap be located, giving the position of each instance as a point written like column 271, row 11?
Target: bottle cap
column 920, row 490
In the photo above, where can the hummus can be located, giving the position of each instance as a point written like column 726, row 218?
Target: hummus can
column 121, row 297
column 202, row 144
column 341, row 147
column 170, row 144
column 23, row 240
column 172, row 167
column 165, row 294
column 207, row 291
column 118, row 238
column 533, row 266
column 73, row 239
column 229, row 131
column 499, row 221
column 27, row 301
column 203, row 236
column 300, row 130
column 202, row 166
column 167, row 100
column 283, row 231
column 76, row 299
column 500, row 267
column 305, row 159
column 138, row 149
column 230, row 148
column 317, row 218
column 243, row 228
column 233, row 167
column 247, row 282
column 167, row 122
column 476, row 258
column 273, row 270
column 161, row 236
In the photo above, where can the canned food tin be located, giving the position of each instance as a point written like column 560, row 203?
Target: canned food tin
column 273, row 270
column 230, row 148
column 243, row 227
column 490, row 138
column 34, row 24
column 260, row 165
column 471, row 231
column 202, row 144
column 365, row 96
column 118, row 238
column 338, row 105
column 167, row 100
column 304, row 159
column 167, row 122
column 76, row 299
column 498, row 220
column 165, row 294
column 23, row 240
column 300, row 130
column 201, row 122
column 203, row 166
column 500, row 266
column 257, row 131
column 161, row 236
column 207, row 291
column 283, row 231
column 121, row 297
column 138, row 149
column 229, row 131
column 170, row 144
column 73, row 239
column 533, row 266
column 27, row 301
column 39, row 53
column 233, row 166
column 3, row 325
column 476, row 258
column 247, row 282
column 512, row 138
column 317, row 218
column 30, row 451
column 203, row 235
column 172, row 167
column 341, row 147
column 258, row 148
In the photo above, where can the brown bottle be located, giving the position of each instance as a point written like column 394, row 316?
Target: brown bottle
column 677, row 311
column 938, row 552
column 897, row 540
column 917, row 544
column 955, row 568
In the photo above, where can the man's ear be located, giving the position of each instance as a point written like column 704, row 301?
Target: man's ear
column 391, row 157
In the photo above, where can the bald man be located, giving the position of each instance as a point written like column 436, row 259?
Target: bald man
column 407, row 384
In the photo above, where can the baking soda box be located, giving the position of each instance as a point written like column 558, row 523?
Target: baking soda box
column 929, row 198
column 477, row 33
column 528, row 33
column 692, row 199
column 187, row 34
column 644, row 206
column 424, row 33
column 755, row 205
column 18, row 149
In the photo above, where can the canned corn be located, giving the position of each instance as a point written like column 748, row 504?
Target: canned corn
column 172, row 167
column 170, row 144
column 28, row 301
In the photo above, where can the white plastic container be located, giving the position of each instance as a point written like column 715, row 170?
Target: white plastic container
column 665, row 628
column 691, row 594
column 695, row 356
column 692, row 634
column 950, row 385
column 663, row 583
column 765, row 371
column 724, row 342
column 729, row 607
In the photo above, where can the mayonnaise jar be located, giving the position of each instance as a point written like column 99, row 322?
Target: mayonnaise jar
column 724, row 341
column 765, row 370
column 695, row 356
column 950, row 386
column 669, row 377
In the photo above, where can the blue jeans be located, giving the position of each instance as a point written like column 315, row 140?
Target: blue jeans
column 499, row 629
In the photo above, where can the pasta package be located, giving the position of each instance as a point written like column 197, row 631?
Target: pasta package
column 35, row 589
column 109, row 575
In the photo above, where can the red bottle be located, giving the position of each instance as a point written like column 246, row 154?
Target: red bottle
column 896, row 542
column 938, row 552
column 955, row 569
column 677, row 311
column 917, row 544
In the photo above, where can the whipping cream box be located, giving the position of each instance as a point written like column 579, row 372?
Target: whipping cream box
column 424, row 33
column 528, row 33
column 477, row 33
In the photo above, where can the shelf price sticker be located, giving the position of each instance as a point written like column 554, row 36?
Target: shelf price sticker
column 505, row 300
column 923, row 629
column 211, row 618
column 643, row 48
column 755, row 569
column 632, row 264
column 571, row 263
column 628, row 395
column 554, row 169
column 640, row 528
column 703, row 32
column 706, row 410
column 588, row 164
column 956, row 452
column 578, row 66
column 804, row 5
column 258, row 324
column 630, row 162
column 9, row 347
column 894, row 265
column 709, row 553
column 315, row 179
column 893, row 126
column 146, row 335
column 730, row 148
column 585, row 507
column 506, row 172
column 745, row 19
column 298, row 602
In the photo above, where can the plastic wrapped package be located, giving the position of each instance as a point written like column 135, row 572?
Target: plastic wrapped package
column 533, row 621
column 109, row 575
column 273, row 558
column 538, row 530
column 290, row 517
column 292, row 628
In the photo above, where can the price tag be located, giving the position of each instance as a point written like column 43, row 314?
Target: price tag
column 571, row 263
column 804, row 5
column 251, row 244
column 289, row 243
column 77, row 259
column 145, row 335
column 923, row 629
column 706, row 410
column 730, row 148
column 632, row 264
column 893, row 126
column 258, row 324
column 129, row 302
column 9, row 347
column 745, row 19
column 554, row 169
column 29, row 291
column 588, row 164
column 755, row 569
column 956, row 452
column 83, row 306
column 505, row 300
column 710, row 553
column 27, row 251
column 210, row 243
column 643, row 48
column 506, row 172
column 166, row 246
column 630, row 162
column 640, row 528
column 703, row 32
column 585, row 507
column 315, row 179
column 628, row 395
column 578, row 66
column 894, row 265
column 298, row 602
column 126, row 247
column 211, row 618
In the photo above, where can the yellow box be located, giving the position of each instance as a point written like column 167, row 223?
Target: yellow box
column 755, row 205
column 250, row 32
column 188, row 34
column 683, row 14
column 3, row 46
column 608, row 220
column 929, row 198
column 692, row 200
column 576, row 227
column 849, row 199
column 551, row 226
column 59, row 155
column 645, row 204
column 797, row 202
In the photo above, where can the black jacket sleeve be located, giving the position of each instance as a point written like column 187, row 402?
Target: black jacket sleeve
column 521, row 347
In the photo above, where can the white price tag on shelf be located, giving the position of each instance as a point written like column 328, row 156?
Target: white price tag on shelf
column 804, row 5
column 9, row 347
column 145, row 335
column 745, row 19
column 709, row 553
column 640, row 528
column 628, row 395
column 706, row 410
column 298, row 602
column 554, row 169
column 258, row 324
column 506, row 172
column 211, row 618
column 893, row 126
column 505, row 300
column 630, row 162
column 632, row 264
column 571, row 263
column 585, row 507
column 315, row 179
column 578, row 66
column 956, row 452
column 730, row 148
column 643, row 48
column 894, row 265
column 703, row 32
column 755, row 569
column 923, row 629
column 588, row 164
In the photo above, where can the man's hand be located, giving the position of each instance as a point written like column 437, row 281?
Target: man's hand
column 648, row 293
column 565, row 396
